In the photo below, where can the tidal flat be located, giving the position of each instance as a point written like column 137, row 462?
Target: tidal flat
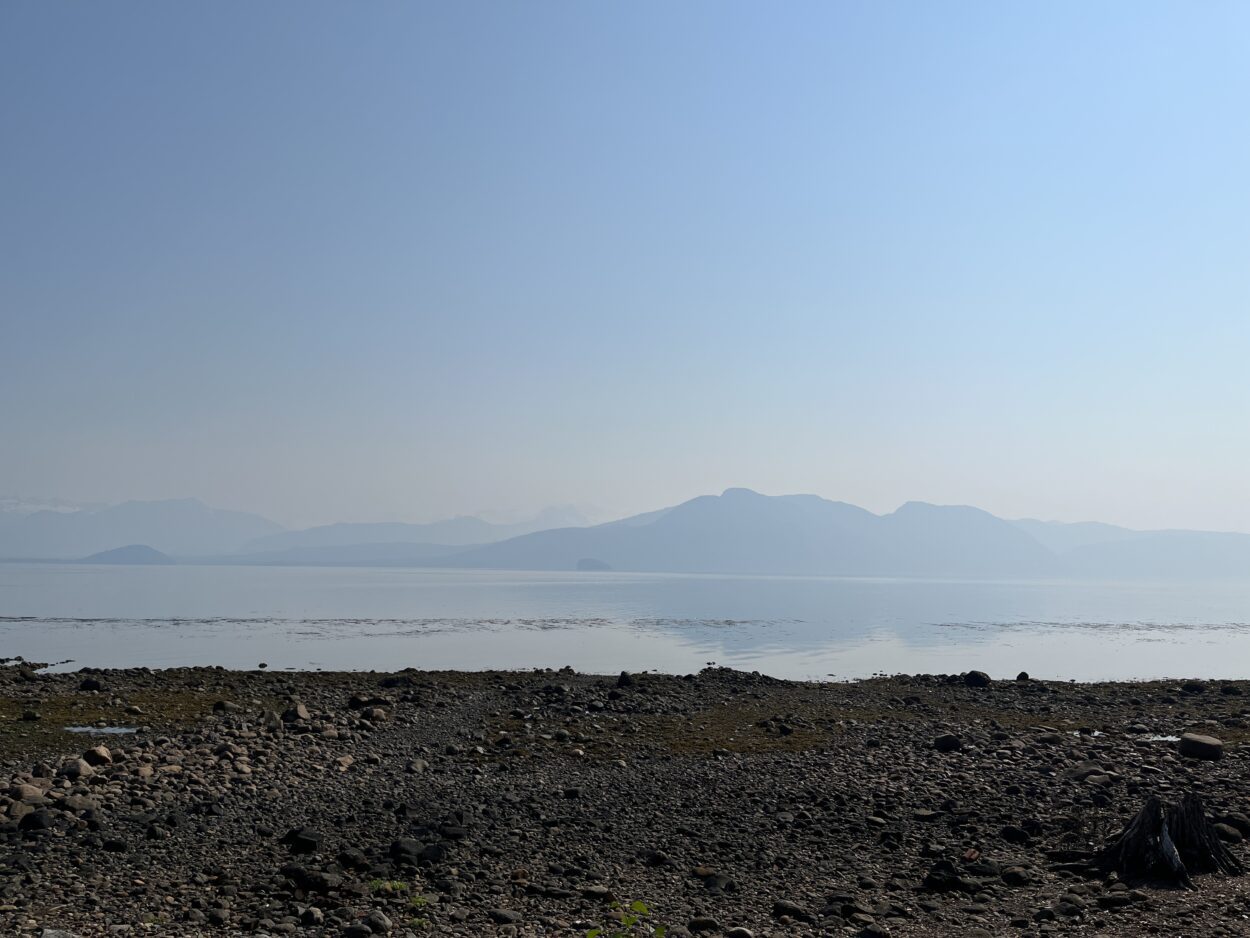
column 550, row 802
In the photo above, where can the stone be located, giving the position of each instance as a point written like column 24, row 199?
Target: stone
column 784, row 907
column 76, row 768
column 98, row 755
column 1017, row 876
column 38, row 820
column 317, row 881
column 1197, row 746
column 504, row 916
column 1014, row 835
column 303, row 839
column 312, row 916
column 1229, row 834
column 977, row 679
column 28, row 794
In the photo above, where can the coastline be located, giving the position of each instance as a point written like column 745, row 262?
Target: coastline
column 526, row 803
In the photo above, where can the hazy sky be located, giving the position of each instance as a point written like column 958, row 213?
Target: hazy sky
column 333, row 261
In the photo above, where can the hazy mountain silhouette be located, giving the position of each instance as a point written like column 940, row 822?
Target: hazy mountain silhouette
column 1165, row 554
column 1061, row 537
column 182, row 527
column 739, row 531
column 742, row 531
column 395, row 554
column 130, row 554
column 461, row 532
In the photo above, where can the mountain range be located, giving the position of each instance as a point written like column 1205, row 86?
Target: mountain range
column 183, row 527
column 736, row 532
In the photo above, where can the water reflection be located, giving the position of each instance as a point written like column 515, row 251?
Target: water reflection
column 790, row 627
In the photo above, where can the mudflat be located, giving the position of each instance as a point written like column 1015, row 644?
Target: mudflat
column 552, row 803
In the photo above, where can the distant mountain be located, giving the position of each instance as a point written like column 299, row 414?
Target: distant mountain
column 182, row 527
column 1060, row 537
column 349, row 555
column 1165, row 555
column 130, row 554
column 742, row 531
column 456, row 532
column 736, row 532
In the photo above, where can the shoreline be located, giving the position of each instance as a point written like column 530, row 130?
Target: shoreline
column 526, row 802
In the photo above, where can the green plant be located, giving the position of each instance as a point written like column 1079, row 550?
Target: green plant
column 631, row 922
column 387, row 885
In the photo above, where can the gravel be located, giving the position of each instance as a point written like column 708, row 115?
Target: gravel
column 548, row 802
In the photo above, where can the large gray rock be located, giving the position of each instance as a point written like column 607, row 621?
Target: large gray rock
column 1197, row 746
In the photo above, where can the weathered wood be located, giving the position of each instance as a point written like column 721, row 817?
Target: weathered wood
column 1166, row 843
column 1197, row 841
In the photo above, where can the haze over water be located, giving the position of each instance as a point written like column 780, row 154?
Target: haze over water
column 812, row 628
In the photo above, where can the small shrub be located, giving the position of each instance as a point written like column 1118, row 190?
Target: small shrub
column 632, row 923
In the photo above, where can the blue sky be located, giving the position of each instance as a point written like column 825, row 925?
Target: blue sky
column 372, row 261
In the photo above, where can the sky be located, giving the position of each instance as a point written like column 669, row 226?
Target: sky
column 396, row 261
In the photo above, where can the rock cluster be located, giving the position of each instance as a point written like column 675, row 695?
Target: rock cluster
column 546, row 803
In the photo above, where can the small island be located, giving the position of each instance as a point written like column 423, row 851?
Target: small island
column 131, row 554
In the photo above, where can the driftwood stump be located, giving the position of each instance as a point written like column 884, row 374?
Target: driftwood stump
column 1166, row 843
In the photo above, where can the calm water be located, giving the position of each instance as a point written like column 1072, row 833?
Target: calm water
column 304, row 617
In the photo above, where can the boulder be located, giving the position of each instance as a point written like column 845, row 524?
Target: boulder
column 1197, row 746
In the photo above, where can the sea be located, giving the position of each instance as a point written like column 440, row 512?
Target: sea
column 810, row 628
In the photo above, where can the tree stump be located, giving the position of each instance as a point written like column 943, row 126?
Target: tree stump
column 1166, row 843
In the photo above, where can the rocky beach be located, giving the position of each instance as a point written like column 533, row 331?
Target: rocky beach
column 549, row 802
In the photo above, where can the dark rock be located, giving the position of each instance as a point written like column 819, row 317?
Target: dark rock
column 317, row 881
column 1014, row 835
column 1229, row 834
column 1017, row 876
column 791, row 910
column 303, row 840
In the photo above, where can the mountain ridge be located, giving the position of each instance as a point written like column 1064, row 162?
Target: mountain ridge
column 739, row 531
